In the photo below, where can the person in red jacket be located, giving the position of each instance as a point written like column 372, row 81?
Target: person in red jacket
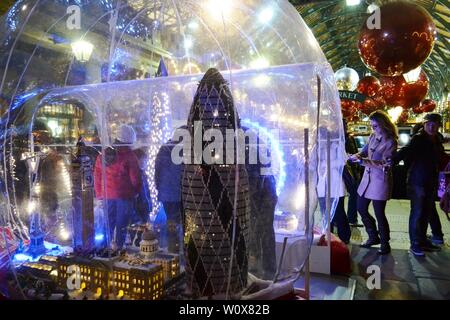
column 122, row 180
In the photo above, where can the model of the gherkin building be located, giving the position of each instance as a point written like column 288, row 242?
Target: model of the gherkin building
column 215, row 248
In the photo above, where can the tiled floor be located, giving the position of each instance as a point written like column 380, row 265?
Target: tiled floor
column 397, row 212
column 403, row 276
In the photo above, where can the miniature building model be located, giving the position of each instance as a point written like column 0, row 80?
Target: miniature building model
column 111, row 275
column 208, row 192
column 170, row 264
column 148, row 244
column 36, row 234
column 83, row 199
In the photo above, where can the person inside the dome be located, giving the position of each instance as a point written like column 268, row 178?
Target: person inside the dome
column 120, row 184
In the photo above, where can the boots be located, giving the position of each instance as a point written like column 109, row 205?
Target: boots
column 370, row 242
column 384, row 249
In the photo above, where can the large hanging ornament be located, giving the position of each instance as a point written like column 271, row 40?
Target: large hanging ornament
column 417, row 109
column 397, row 92
column 349, row 108
column 372, row 104
column 415, row 92
column 369, row 86
column 404, row 41
column 428, row 105
column 391, row 88
column 346, row 79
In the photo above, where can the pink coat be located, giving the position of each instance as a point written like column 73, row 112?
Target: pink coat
column 123, row 176
column 377, row 181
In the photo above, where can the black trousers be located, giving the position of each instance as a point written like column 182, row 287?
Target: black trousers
column 435, row 224
column 423, row 211
column 339, row 219
column 379, row 207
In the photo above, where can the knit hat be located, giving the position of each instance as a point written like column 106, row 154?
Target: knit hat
column 126, row 134
column 433, row 117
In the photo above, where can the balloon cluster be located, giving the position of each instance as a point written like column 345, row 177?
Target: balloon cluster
column 370, row 87
column 402, row 43
column 350, row 109
column 397, row 92
column 427, row 105
column 390, row 92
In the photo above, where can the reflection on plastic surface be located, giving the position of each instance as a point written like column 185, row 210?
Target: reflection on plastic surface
column 143, row 72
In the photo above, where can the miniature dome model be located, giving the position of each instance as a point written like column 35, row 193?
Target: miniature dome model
column 90, row 68
column 148, row 244
column 149, row 236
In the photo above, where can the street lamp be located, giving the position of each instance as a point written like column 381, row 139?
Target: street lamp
column 82, row 50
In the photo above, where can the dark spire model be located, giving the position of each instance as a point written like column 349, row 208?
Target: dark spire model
column 212, row 245
column 83, row 198
column 36, row 234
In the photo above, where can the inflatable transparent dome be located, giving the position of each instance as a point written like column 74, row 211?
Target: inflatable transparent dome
column 163, row 149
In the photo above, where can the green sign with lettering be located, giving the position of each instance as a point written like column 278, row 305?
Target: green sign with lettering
column 352, row 95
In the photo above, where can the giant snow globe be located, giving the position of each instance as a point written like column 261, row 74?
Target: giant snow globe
column 163, row 149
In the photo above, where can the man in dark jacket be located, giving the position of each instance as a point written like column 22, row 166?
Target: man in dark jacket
column 423, row 156
column 352, row 177
column 168, row 183
column 263, row 201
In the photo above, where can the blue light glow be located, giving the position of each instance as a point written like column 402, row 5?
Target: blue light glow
column 19, row 100
column 99, row 237
column 21, row 257
column 276, row 147
column 52, row 250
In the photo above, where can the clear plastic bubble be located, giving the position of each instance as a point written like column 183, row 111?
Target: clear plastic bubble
column 128, row 78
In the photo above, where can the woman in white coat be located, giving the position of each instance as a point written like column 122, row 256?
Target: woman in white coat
column 337, row 188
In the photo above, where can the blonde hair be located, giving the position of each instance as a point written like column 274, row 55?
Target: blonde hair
column 385, row 123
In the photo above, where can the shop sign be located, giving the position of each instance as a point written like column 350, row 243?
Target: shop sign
column 351, row 95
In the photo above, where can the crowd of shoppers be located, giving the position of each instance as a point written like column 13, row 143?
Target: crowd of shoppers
column 424, row 157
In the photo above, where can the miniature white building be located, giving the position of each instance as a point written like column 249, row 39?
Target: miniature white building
column 149, row 244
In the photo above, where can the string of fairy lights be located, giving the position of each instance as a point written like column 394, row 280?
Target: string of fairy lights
column 160, row 133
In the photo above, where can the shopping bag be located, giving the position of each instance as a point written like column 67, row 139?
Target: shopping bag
column 444, row 203
column 444, row 180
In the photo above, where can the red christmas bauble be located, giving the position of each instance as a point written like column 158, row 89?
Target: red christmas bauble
column 397, row 92
column 354, row 118
column 379, row 101
column 372, row 104
column 415, row 92
column 428, row 105
column 349, row 108
column 391, row 88
column 417, row 109
column 403, row 42
column 347, row 114
column 369, row 86
column 403, row 117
